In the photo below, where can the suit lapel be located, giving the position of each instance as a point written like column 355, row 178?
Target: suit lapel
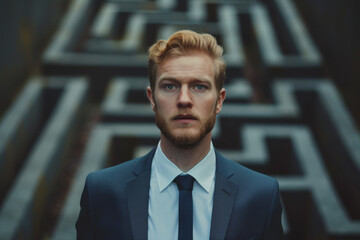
column 224, row 198
column 138, row 197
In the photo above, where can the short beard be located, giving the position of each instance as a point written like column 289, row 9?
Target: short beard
column 185, row 140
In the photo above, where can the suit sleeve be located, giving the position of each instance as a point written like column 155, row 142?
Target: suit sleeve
column 273, row 229
column 84, row 224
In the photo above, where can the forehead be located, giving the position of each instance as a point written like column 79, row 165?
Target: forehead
column 194, row 65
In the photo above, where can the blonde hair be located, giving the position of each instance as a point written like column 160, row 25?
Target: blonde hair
column 179, row 44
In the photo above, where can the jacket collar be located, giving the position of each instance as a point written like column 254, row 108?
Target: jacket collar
column 137, row 192
column 138, row 197
column 224, row 198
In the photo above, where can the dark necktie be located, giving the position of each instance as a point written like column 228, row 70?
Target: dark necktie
column 185, row 185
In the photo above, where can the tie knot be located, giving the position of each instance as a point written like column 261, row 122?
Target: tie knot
column 184, row 182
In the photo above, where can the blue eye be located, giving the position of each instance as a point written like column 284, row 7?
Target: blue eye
column 170, row 87
column 199, row 87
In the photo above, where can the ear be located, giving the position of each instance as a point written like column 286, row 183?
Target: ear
column 220, row 100
column 150, row 96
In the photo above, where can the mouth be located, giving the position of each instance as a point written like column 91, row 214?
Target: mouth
column 184, row 117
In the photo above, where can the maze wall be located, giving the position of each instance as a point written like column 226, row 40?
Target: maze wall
column 281, row 116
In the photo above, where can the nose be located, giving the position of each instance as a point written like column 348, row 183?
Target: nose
column 184, row 100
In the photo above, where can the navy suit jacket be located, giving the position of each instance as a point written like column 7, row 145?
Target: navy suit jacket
column 114, row 203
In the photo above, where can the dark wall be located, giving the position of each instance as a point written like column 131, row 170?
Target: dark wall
column 25, row 28
column 335, row 27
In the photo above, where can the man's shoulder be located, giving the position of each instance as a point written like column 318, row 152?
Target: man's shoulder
column 240, row 174
column 124, row 170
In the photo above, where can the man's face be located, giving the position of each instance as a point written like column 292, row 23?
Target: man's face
column 185, row 99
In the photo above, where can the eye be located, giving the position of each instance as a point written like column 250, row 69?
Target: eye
column 169, row 87
column 199, row 87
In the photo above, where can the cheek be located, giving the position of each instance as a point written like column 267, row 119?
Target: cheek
column 207, row 104
column 162, row 104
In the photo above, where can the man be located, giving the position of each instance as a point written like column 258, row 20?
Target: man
column 146, row 198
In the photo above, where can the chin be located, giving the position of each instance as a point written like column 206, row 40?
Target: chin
column 185, row 142
column 186, row 138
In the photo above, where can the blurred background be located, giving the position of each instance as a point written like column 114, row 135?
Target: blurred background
column 72, row 100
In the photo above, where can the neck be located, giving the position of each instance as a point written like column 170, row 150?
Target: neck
column 186, row 157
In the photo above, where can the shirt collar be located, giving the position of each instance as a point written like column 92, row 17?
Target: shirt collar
column 166, row 171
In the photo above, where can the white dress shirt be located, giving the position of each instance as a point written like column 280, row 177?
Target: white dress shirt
column 164, row 197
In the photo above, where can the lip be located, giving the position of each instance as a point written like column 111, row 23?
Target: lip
column 184, row 118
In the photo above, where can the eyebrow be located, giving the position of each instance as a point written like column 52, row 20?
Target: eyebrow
column 169, row 78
